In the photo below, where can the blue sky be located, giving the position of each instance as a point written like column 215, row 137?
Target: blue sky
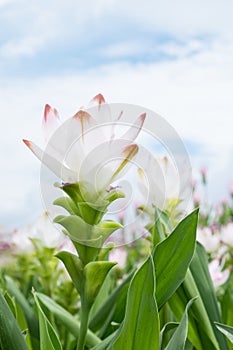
column 172, row 57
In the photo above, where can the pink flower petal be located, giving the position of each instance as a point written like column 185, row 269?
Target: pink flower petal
column 134, row 130
column 53, row 164
column 99, row 109
column 51, row 121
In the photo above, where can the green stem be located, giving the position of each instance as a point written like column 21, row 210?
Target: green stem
column 83, row 328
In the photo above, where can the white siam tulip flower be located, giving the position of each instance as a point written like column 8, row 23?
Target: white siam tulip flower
column 42, row 230
column 21, row 242
column 210, row 241
column 163, row 184
column 227, row 234
column 84, row 148
column 218, row 276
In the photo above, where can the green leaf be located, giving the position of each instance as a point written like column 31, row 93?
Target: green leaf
column 116, row 302
column 201, row 275
column 140, row 328
column 48, row 337
column 74, row 267
column 179, row 337
column 158, row 233
column 90, row 213
column 105, row 229
column 11, row 303
column 105, row 343
column 104, row 292
column 227, row 305
column 95, row 273
column 80, row 233
column 201, row 332
column 172, row 257
column 114, row 194
column 226, row 330
column 88, row 250
column 168, row 327
column 11, row 337
column 67, row 203
column 72, row 325
column 29, row 314
column 77, row 228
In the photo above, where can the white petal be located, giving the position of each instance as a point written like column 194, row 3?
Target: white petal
column 100, row 110
column 152, row 182
column 134, row 130
column 53, row 164
column 51, row 121
column 107, row 163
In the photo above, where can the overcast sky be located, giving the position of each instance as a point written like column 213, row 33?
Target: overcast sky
column 174, row 57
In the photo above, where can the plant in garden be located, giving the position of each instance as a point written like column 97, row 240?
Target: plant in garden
column 89, row 194
column 162, row 297
column 215, row 232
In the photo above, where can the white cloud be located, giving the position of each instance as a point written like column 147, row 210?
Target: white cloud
column 180, row 18
column 193, row 93
column 49, row 23
column 27, row 46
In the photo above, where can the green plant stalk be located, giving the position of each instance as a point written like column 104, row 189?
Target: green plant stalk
column 85, row 311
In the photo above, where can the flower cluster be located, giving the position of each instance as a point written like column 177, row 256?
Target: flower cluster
column 215, row 232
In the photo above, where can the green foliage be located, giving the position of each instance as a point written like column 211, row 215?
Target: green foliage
column 178, row 339
column 68, row 320
column 171, row 267
column 94, row 275
column 163, row 299
column 11, row 337
column 87, row 239
column 140, row 328
column 200, row 273
column 113, row 309
column 226, row 330
column 48, row 337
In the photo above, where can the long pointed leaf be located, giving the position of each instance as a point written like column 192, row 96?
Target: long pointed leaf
column 200, row 273
column 32, row 320
column 172, row 257
column 140, row 328
column 11, row 337
column 116, row 301
column 48, row 337
column 226, row 330
column 201, row 332
column 179, row 337
column 72, row 325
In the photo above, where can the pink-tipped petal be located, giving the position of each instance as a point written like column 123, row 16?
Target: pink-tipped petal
column 84, row 120
column 51, row 163
column 50, row 112
column 134, row 130
column 99, row 99
column 128, row 153
column 27, row 143
column 99, row 109
column 51, row 121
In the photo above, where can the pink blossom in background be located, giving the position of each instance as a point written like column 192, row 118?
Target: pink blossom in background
column 210, row 241
column 218, row 276
column 118, row 255
column 227, row 234
column 203, row 172
column 43, row 229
